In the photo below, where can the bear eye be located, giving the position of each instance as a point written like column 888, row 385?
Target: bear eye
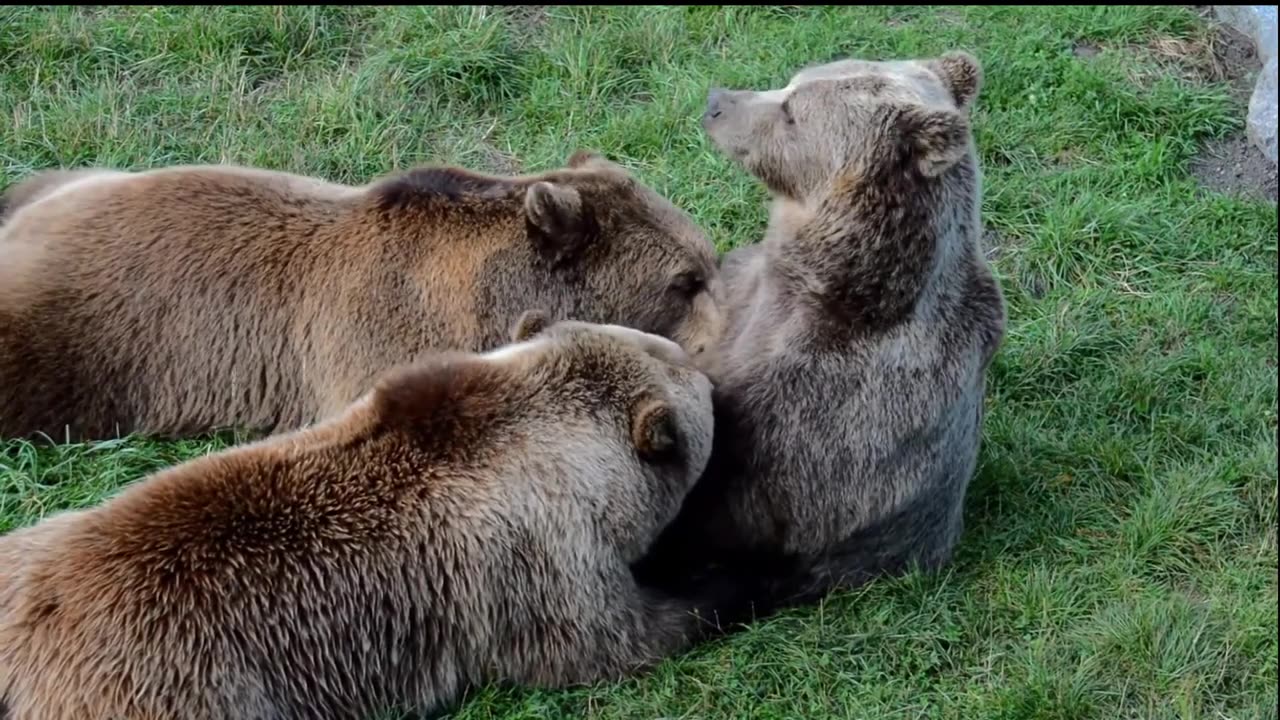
column 688, row 284
column 786, row 112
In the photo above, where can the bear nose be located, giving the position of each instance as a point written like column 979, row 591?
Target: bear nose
column 716, row 100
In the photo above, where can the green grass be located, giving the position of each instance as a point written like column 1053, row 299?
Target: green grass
column 1120, row 553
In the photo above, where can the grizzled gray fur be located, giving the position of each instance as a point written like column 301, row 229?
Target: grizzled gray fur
column 851, row 378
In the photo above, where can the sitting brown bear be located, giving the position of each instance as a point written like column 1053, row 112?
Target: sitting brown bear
column 182, row 300
column 470, row 520
column 851, row 378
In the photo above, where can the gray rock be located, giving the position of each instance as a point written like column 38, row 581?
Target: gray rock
column 1258, row 23
column 1262, row 111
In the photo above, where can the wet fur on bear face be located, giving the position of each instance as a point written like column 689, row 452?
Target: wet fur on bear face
column 469, row 520
column 850, row 381
column 182, row 300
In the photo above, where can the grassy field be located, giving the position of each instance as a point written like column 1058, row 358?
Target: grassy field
column 1120, row 553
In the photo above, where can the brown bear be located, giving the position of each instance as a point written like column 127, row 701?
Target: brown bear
column 470, row 520
column 183, row 300
column 850, row 382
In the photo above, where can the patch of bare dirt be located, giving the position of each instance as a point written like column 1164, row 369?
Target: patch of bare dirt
column 1223, row 56
column 1086, row 50
column 527, row 19
column 1220, row 54
column 1239, row 61
column 1233, row 166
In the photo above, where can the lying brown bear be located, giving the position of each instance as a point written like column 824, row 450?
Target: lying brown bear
column 182, row 300
column 470, row 520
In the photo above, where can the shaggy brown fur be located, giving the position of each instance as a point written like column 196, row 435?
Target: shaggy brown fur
column 471, row 520
column 850, row 382
column 182, row 300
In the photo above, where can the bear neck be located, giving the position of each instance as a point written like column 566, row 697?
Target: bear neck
column 874, row 248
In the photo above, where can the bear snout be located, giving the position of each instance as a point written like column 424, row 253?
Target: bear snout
column 718, row 100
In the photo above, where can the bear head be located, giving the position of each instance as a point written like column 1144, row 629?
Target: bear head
column 849, row 119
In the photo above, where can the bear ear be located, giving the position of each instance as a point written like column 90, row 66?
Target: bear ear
column 593, row 159
column 653, row 429
column 938, row 138
column 559, row 222
column 438, row 393
column 583, row 158
column 529, row 324
column 961, row 73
